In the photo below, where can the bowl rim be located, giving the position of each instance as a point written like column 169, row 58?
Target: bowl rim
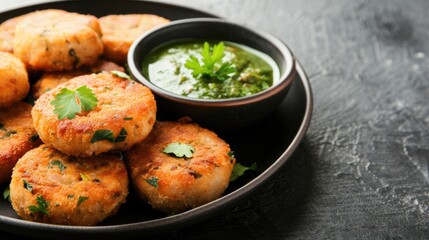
column 285, row 79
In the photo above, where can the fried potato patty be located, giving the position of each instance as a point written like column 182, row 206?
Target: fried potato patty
column 7, row 33
column 50, row 80
column 56, row 40
column 171, row 184
column 125, row 109
column 120, row 31
column 51, row 187
column 17, row 136
column 14, row 84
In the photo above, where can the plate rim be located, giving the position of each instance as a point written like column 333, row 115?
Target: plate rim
column 47, row 2
column 13, row 225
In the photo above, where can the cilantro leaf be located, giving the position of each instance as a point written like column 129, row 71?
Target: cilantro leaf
column 223, row 72
column 239, row 170
column 103, row 134
column 122, row 135
column 81, row 200
column 153, row 181
column 88, row 101
column 67, row 103
column 179, row 150
column 42, row 206
column 6, row 194
column 217, row 52
column 193, row 64
column 210, row 63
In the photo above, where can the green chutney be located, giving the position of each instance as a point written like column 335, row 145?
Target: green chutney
column 165, row 67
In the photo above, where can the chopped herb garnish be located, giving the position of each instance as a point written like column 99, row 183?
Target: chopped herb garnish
column 153, row 181
column 34, row 138
column 42, row 206
column 179, row 150
column 83, row 176
column 57, row 163
column 103, row 134
column 28, row 185
column 81, row 200
column 120, row 74
column 239, row 170
column 70, row 196
column 211, row 62
column 122, row 135
column 67, row 103
column 6, row 194
column 128, row 118
column 231, row 156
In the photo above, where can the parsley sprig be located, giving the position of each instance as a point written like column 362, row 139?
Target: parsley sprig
column 212, row 66
column 67, row 103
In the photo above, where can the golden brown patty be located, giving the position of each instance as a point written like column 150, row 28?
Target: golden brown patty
column 56, row 40
column 124, row 108
column 172, row 184
column 14, row 84
column 50, row 80
column 49, row 186
column 120, row 31
column 17, row 136
column 7, row 33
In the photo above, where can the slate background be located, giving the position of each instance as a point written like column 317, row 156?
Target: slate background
column 362, row 170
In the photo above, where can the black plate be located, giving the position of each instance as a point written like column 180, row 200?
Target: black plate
column 269, row 144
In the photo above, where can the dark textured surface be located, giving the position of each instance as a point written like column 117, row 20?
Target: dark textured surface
column 362, row 170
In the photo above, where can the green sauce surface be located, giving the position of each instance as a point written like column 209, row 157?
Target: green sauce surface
column 165, row 67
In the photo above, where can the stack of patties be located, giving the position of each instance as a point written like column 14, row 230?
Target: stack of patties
column 77, row 177
column 87, row 112
column 17, row 134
